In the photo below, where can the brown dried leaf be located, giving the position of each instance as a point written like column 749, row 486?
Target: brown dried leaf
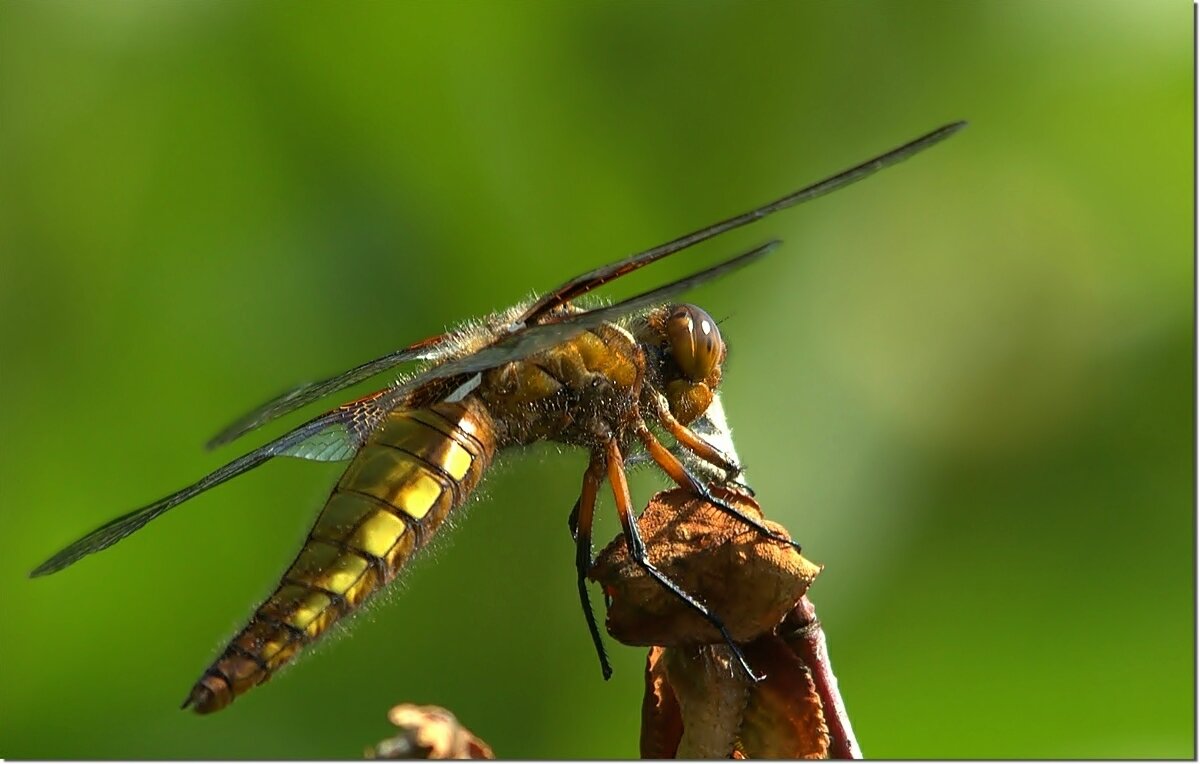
column 784, row 718
column 429, row 732
column 662, row 722
column 712, row 693
column 698, row 703
column 748, row 580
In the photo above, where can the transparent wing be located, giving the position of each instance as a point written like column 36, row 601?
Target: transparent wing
column 333, row 435
column 304, row 394
column 333, row 444
column 595, row 278
column 338, row 433
column 531, row 340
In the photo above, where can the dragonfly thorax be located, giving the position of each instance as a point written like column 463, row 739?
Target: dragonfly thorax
column 575, row 393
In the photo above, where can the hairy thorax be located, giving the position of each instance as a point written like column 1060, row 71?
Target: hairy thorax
column 576, row 393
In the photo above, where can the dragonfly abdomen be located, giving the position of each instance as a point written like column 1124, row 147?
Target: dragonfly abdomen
column 398, row 489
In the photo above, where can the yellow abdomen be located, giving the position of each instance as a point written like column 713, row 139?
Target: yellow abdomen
column 397, row 491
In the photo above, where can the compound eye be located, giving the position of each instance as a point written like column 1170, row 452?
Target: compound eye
column 695, row 341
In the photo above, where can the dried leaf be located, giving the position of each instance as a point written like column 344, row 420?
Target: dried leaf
column 698, row 703
column 747, row 579
column 429, row 732
column 662, row 722
column 712, row 693
column 784, row 718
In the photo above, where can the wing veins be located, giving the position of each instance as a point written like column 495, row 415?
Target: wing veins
column 534, row 339
column 306, row 393
column 361, row 417
column 529, row 339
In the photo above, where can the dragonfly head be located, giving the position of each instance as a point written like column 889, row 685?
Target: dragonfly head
column 690, row 358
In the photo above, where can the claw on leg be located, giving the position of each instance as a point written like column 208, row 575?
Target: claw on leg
column 684, row 479
column 637, row 552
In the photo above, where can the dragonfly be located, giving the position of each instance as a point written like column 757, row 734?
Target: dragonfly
column 602, row 377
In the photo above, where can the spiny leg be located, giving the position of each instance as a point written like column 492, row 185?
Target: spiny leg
column 637, row 551
column 684, row 479
column 580, row 523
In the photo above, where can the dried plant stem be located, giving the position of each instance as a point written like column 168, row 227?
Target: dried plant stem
column 802, row 630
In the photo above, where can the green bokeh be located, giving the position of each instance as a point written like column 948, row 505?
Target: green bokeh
column 965, row 384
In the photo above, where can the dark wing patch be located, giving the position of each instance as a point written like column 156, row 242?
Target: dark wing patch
column 333, row 444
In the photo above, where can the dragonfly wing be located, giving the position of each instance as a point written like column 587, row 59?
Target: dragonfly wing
column 341, row 438
column 586, row 282
column 307, row 393
column 338, row 433
column 334, row 435
column 333, row 444
column 304, row 394
column 530, row 340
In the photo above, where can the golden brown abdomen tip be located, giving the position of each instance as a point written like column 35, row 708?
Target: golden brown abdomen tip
column 210, row 694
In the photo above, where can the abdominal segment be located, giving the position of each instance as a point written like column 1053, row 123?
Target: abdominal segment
column 396, row 492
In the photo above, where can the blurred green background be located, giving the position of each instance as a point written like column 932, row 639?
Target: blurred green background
column 966, row 385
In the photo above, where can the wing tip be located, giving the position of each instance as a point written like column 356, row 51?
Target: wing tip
column 220, row 439
column 46, row 568
column 937, row 136
column 230, row 433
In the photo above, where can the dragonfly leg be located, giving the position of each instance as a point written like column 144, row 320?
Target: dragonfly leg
column 686, row 480
column 687, row 438
column 580, row 523
column 637, row 551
